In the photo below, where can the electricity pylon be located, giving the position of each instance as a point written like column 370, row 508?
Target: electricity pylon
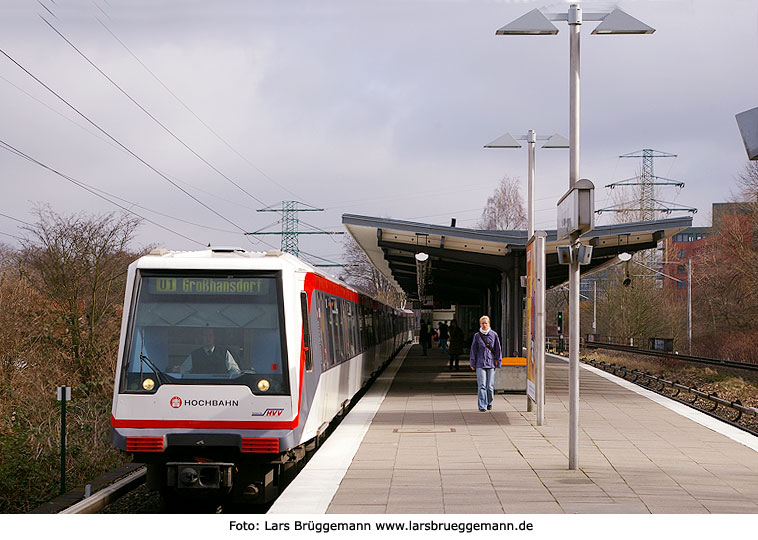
column 648, row 205
column 290, row 222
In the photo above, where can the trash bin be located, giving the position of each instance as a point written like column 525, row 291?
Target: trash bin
column 511, row 377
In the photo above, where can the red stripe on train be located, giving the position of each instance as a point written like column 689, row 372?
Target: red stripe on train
column 202, row 424
column 314, row 281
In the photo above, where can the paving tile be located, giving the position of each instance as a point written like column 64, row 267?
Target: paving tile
column 356, row 509
column 535, row 494
column 362, row 495
column 414, row 508
column 483, row 507
column 617, row 507
column 532, row 508
column 729, row 507
column 365, row 483
column 635, row 456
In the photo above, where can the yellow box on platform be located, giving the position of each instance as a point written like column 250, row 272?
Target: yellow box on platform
column 511, row 377
column 513, row 361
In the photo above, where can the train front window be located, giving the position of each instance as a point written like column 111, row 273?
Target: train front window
column 207, row 329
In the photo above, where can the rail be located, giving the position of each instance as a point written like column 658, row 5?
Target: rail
column 102, row 498
column 682, row 357
column 713, row 397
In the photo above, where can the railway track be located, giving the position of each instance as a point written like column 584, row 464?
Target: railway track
column 732, row 412
column 100, row 499
column 681, row 357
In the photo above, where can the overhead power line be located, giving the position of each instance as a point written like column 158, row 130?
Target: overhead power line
column 187, row 107
column 119, row 143
column 149, row 114
column 16, row 219
column 4, row 145
column 11, row 235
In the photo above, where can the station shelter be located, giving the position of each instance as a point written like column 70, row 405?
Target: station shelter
column 480, row 271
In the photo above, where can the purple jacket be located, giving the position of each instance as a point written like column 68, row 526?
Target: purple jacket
column 481, row 357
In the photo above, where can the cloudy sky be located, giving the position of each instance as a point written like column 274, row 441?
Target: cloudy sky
column 217, row 109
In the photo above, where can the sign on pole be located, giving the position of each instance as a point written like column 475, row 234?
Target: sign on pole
column 61, row 390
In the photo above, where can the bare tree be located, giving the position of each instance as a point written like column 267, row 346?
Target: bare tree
column 748, row 183
column 78, row 262
column 363, row 275
column 505, row 208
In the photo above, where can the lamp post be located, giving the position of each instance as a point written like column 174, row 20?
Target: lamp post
column 537, row 23
column 508, row 141
column 536, row 351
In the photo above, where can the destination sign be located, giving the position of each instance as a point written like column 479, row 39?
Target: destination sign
column 206, row 285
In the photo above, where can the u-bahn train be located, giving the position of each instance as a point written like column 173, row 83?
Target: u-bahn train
column 231, row 364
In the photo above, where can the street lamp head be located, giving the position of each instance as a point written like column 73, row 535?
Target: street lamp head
column 556, row 141
column 504, row 141
column 533, row 23
column 623, row 257
column 619, row 22
column 747, row 121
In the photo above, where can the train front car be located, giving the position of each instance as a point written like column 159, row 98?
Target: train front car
column 209, row 372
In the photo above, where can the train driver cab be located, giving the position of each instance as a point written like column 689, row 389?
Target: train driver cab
column 206, row 328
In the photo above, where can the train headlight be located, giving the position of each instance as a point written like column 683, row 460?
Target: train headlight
column 148, row 384
column 263, row 385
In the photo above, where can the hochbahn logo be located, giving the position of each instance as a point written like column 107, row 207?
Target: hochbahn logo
column 269, row 412
column 177, row 402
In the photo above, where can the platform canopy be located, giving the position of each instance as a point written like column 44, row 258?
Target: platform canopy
column 462, row 261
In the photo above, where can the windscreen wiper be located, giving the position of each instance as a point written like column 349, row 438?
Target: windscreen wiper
column 151, row 365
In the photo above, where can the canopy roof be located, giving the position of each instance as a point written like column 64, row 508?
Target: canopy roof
column 465, row 260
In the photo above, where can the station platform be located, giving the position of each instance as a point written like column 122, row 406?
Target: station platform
column 417, row 444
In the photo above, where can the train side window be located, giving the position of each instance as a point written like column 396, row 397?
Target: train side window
column 306, row 332
column 347, row 321
column 352, row 324
column 345, row 331
column 334, row 312
column 330, row 331
column 357, row 327
column 362, row 324
column 324, row 332
column 344, row 334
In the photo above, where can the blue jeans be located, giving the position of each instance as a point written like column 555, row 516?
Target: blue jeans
column 443, row 345
column 485, row 380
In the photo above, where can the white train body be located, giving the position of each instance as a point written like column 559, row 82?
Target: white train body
column 220, row 386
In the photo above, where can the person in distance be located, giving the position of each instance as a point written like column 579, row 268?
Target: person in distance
column 485, row 357
column 456, row 345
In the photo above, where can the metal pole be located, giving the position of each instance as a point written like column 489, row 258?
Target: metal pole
column 689, row 306
column 63, row 440
column 594, row 311
column 574, row 23
column 539, row 345
column 531, row 138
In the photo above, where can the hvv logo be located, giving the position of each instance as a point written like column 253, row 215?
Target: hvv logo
column 269, row 412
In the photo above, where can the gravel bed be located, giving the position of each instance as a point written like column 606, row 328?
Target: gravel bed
column 728, row 384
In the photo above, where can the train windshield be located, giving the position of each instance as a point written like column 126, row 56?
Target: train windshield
column 207, row 328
